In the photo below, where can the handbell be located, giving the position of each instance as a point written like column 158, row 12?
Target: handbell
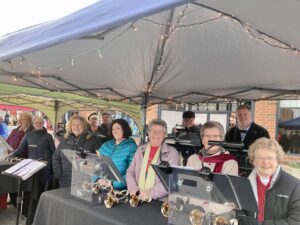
column 165, row 211
column 221, row 220
column 112, row 198
column 136, row 200
column 197, row 216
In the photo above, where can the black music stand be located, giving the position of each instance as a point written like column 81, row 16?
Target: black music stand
column 22, row 171
column 185, row 147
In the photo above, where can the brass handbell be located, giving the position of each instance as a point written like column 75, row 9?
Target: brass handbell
column 165, row 211
column 136, row 200
column 112, row 198
column 197, row 217
column 220, row 220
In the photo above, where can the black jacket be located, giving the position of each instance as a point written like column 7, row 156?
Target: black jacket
column 254, row 132
column 40, row 146
column 62, row 166
column 282, row 201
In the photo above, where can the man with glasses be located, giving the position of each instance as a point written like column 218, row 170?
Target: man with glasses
column 213, row 158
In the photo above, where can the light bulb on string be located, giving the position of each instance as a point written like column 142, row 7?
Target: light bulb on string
column 99, row 53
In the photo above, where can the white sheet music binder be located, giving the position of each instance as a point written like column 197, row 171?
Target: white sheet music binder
column 25, row 169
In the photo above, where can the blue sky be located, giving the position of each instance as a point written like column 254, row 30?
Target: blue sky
column 18, row 14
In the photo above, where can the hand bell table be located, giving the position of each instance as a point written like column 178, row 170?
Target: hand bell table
column 58, row 207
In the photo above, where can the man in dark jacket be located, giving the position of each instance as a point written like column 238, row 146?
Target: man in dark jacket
column 245, row 131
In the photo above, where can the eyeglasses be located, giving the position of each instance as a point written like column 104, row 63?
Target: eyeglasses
column 212, row 136
column 267, row 158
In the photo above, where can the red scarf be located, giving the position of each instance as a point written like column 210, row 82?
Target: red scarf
column 261, row 194
column 218, row 160
column 152, row 153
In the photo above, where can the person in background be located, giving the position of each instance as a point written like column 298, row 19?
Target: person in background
column 40, row 146
column 277, row 193
column 190, row 131
column 140, row 177
column 105, row 126
column 214, row 158
column 120, row 149
column 76, row 139
column 94, row 122
column 245, row 131
column 17, row 134
column 14, row 140
column 4, row 129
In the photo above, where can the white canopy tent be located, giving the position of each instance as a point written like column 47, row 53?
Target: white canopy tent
column 157, row 51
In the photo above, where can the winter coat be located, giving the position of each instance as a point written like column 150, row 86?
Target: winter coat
column 15, row 137
column 282, row 200
column 121, row 155
column 40, row 146
column 168, row 154
column 62, row 166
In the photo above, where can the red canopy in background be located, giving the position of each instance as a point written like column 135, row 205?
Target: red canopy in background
column 14, row 108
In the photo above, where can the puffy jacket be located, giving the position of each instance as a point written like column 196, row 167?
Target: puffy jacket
column 121, row 155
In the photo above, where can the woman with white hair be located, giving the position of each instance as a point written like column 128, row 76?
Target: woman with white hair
column 140, row 177
column 211, row 157
column 40, row 146
column 277, row 193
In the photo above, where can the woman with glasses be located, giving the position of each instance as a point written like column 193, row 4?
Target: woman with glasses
column 277, row 193
column 140, row 177
column 213, row 158
column 40, row 146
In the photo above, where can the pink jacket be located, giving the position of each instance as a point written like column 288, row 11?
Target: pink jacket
column 168, row 154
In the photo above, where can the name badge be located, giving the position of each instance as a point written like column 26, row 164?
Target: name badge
column 33, row 146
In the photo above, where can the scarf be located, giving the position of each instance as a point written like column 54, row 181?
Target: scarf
column 147, row 177
column 218, row 160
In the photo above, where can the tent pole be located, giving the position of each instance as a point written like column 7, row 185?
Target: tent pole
column 145, row 105
column 55, row 112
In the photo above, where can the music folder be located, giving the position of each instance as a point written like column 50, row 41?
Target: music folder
column 25, row 169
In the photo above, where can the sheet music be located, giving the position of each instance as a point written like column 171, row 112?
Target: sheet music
column 25, row 169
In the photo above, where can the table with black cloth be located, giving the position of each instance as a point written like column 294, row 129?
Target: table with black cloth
column 58, row 207
column 30, row 187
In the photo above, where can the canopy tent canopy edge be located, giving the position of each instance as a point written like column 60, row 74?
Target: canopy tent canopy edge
column 161, row 51
column 56, row 104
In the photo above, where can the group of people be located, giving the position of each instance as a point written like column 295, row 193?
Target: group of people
column 276, row 192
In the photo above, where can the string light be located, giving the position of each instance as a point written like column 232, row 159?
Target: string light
column 173, row 26
column 99, row 54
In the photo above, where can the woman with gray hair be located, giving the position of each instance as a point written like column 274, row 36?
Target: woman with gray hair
column 140, row 177
column 213, row 158
column 277, row 193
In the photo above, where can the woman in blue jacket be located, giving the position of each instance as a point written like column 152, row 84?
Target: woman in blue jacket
column 120, row 149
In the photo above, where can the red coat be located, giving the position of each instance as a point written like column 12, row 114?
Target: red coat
column 15, row 138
